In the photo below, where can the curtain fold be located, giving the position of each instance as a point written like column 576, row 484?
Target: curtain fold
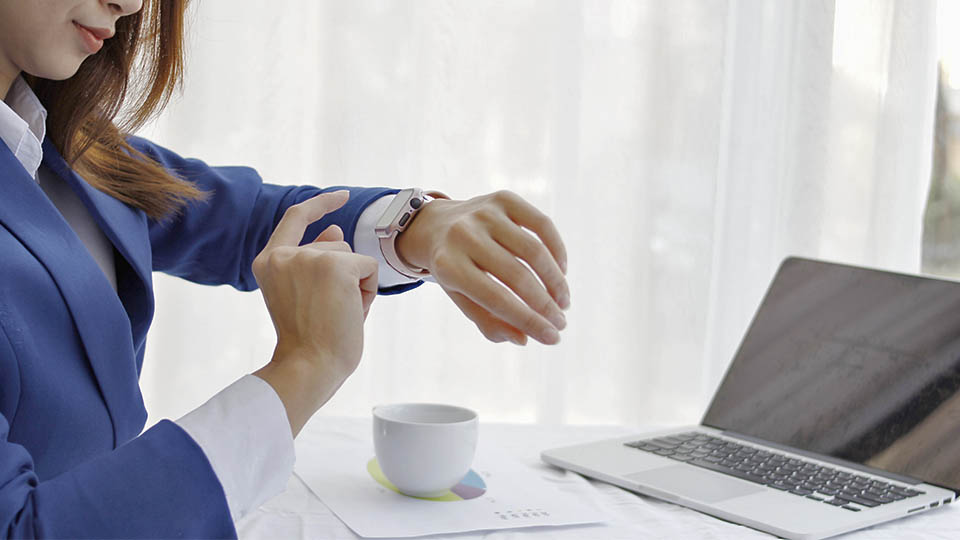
column 683, row 149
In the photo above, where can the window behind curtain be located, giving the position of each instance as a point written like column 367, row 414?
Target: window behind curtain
column 941, row 234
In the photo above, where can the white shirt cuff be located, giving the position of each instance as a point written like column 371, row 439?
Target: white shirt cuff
column 245, row 434
column 365, row 242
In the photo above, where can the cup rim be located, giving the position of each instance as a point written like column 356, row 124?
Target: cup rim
column 473, row 416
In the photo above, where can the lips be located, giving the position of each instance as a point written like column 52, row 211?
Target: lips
column 100, row 33
column 93, row 37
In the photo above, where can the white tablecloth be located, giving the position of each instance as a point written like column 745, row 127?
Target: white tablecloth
column 298, row 513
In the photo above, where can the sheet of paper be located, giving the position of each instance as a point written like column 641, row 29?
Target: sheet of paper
column 501, row 493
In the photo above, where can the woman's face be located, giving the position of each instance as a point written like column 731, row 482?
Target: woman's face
column 50, row 38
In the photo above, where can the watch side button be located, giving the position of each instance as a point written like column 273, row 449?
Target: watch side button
column 415, row 203
column 404, row 219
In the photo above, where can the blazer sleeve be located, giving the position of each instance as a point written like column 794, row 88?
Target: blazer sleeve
column 215, row 241
column 158, row 485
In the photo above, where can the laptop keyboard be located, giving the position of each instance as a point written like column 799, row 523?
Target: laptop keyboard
column 797, row 476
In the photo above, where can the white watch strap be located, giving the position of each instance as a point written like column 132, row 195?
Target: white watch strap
column 414, row 199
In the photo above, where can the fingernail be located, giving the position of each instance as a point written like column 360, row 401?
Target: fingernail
column 550, row 336
column 518, row 341
column 563, row 267
column 558, row 320
column 564, row 300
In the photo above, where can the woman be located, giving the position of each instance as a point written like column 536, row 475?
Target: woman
column 87, row 212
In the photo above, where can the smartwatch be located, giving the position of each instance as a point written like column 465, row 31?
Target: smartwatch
column 397, row 217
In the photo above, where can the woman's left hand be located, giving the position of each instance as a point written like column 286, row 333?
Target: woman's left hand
column 465, row 244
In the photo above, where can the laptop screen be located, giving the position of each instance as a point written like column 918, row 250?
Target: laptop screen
column 857, row 364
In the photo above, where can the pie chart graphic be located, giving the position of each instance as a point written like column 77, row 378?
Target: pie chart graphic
column 471, row 487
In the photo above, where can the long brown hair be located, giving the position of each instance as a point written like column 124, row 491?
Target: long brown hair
column 112, row 94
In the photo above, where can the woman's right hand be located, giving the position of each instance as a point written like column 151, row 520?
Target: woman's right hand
column 318, row 296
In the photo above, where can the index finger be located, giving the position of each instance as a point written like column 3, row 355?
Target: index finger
column 298, row 217
column 527, row 216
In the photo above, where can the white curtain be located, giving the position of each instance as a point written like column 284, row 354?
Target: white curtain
column 683, row 148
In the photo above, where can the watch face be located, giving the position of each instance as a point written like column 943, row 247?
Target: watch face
column 398, row 204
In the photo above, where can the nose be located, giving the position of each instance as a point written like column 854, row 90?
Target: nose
column 123, row 8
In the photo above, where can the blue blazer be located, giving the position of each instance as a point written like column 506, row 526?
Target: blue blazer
column 73, row 461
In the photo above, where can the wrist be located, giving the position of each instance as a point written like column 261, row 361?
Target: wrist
column 301, row 383
column 413, row 244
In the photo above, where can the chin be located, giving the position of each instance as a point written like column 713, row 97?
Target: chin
column 65, row 73
column 58, row 71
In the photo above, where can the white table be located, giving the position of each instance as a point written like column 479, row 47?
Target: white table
column 298, row 513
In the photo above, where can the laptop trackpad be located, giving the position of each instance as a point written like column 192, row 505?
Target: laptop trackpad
column 692, row 482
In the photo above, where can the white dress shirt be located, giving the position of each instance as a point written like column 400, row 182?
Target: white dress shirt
column 243, row 430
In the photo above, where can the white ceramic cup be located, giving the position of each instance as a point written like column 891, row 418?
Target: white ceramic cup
column 424, row 449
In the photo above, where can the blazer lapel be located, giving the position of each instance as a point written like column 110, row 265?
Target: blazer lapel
column 97, row 312
column 127, row 230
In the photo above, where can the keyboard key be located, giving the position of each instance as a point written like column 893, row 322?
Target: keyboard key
column 876, row 498
column 732, row 472
column 664, row 444
column 857, row 499
column 670, row 440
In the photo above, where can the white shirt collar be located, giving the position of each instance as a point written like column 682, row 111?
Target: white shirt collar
column 23, row 125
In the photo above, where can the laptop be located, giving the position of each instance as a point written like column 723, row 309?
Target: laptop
column 840, row 410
